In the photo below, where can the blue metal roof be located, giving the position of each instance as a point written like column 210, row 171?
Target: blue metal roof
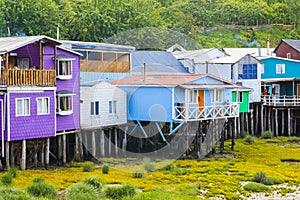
column 157, row 62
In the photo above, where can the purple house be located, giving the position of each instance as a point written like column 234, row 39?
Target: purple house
column 39, row 88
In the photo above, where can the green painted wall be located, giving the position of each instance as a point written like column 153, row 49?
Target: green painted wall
column 244, row 105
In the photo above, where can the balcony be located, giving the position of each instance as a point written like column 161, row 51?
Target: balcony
column 27, row 77
column 274, row 100
column 195, row 113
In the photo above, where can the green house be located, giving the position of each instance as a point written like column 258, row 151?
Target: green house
column 241, row 95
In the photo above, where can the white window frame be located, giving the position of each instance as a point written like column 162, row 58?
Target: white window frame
column 112, row 107
column 288, row 56
column 58, row 108
column 280, row 68
column 45, row 103
column 217, row 96
column 67, row 74
column 193, row 96
column 262, row 69
column 94, row 111
column 24, row 111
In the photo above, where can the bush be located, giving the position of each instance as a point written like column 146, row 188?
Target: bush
column 139, row 173
column 12, row 193
column 259, row 177
column 105, row 169
column 41, row 189
column 88, row 167
column 256, row 187
column 249, row 139
column 7, row 179
column 244, row 134
column 13, row 171
column 272, row 181
column 169, row 167
column 267, row 134
column 81, row 191
column 118, row 192
column 95, row 182
column 148, row 165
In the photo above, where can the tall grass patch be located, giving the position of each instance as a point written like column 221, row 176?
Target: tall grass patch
column 41, row 189
column 81, row 191
column 118, row 192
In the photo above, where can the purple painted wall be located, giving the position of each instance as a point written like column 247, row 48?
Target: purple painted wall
column 1, row 113
column 30, row 51
column 70, row 122
column 33, row 126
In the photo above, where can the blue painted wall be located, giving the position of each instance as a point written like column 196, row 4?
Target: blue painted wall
column 292, row 68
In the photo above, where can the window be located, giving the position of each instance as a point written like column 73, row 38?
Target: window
column 240, row 97
column 95, row 108
column 280, row 68
column 288, row 55
column 23, row 107
column 64, row 103
column 249, row 71
column 112, row 107
column 217, row 95
column 192, row 96
column 24, row 63
column 43, row 106
column 64, row 67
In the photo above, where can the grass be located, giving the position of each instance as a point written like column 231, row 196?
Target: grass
column 187, row 179
column 256, row 187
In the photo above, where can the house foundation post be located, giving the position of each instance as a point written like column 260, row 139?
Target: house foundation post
column 7, row 155
column 23, row 158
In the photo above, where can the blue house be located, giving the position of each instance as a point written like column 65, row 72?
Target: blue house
column 177, row 98
column 280, row 78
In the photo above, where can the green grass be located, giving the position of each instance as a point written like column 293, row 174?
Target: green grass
column 256, row 187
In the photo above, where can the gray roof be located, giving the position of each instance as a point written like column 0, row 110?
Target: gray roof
column 95, row 46
column 293, row 43
column 8, row 44
column 157, row 62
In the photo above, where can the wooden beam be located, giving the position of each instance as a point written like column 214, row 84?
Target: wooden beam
column 23, row 158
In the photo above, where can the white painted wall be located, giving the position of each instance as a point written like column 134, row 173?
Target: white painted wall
column 102, row 92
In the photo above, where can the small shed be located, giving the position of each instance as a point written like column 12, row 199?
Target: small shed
column 102, row 105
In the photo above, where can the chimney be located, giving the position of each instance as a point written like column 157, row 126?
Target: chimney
column 259, row 51
column 144, row 71
column 268, row 46
column 57, row 32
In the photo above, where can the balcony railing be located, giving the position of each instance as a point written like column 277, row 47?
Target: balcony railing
column 273, row 100
column 195, row 113
column 27, row 77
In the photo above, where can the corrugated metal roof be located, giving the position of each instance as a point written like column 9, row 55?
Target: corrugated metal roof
column 168, row 81
column 251, row 51
column 157, row 62
column 293, row 43
column 95, row 45
column 190, row 54
column 88, row 78
column 8, row 44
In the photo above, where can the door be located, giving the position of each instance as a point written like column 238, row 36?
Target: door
column 201, row 99
column 275, row 92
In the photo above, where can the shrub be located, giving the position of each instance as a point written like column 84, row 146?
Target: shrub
column 139, row 173
column 148, row 165
column 267, row 134
column 88, row 167
column 13, row 171
column 95, row 182
column 256, row 187
column 249, row 139
column 118, row 192
column 244, row 134
column 81, row 191
column 169, row 167
column 272, row 181
column 105, row 169
column 41, row 189
column 259, row 177
column 7, row 179
column 12, row 193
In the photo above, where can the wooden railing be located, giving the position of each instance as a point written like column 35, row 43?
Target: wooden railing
column 272, row 100
column 195, row 113
column 27, row 77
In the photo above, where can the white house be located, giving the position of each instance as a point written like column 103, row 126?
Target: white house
column 102, row 105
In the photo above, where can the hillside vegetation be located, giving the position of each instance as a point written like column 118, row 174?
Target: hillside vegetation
column 98, row 20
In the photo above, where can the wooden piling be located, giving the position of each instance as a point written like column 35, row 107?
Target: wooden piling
column 102, row 143
column 93, row 144
column 276, row 122
column 247, row 122
column 282, row 123
column 256, row 119
column 262, row 118
column 64, row 149
column 47, row 153
column 36, row 153
column 124, row 144
column 23, row 158
column 109, row 141
column 251, row 122
column 59, row 149
column 12, row 154
column 116, row 141
column 7, row 155
column 269, row 110
column 289, row 121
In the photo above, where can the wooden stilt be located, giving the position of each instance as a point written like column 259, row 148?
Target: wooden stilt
column 59, row 147
column 116, row 141
column 109, row 141
column 282, row 123
column 295, row 126
column 272, row 120
column 12, row 154
column 85, row 143
column 289, row 122
column 7, row 155
column 80, row 144
column 1, row 165
column 23, row 158
column 247, row 122
column 262, row 118
column 64, row 149
column 47, row 153
column 251, row 122
column 102, row 143
column 42, row 154
column 269, row 118
column 35, row 153
column 256, row 119
column 232, row 136
column 242, row 124
column 93, row 144
column 124, row 144
column 276, row 122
